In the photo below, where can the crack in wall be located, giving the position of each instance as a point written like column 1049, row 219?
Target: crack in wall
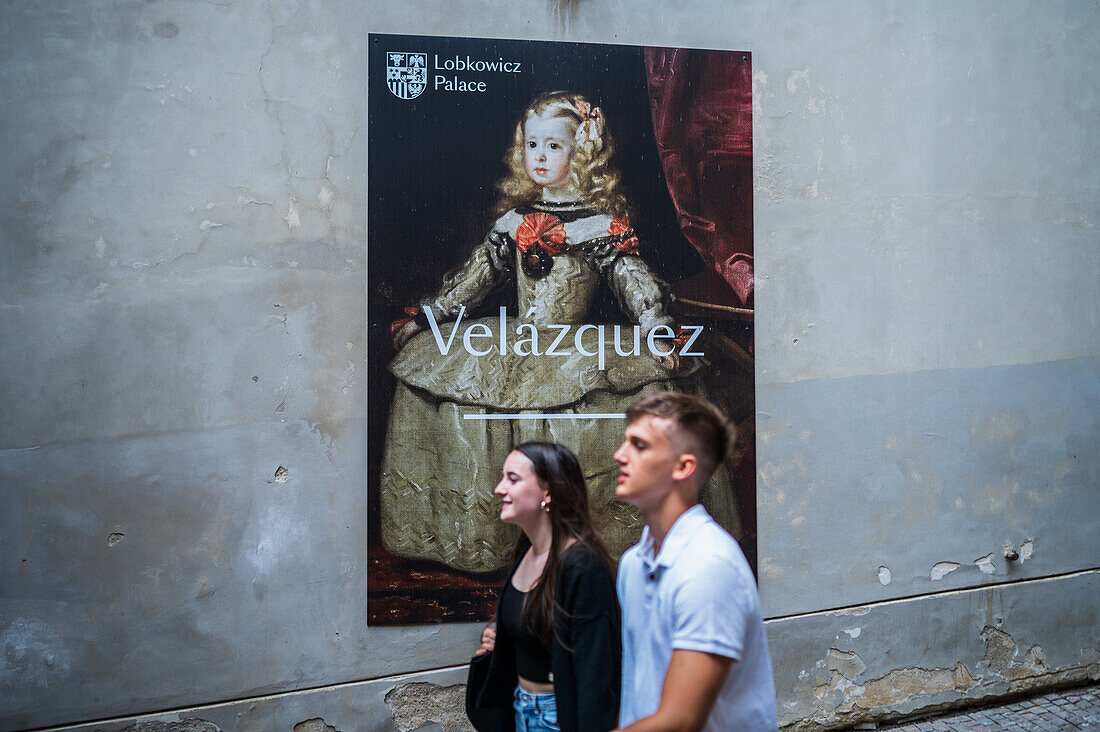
column 314, row 725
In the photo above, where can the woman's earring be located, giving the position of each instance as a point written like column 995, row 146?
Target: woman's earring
column 545, row 505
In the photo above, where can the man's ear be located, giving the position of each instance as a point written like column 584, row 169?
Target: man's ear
column 686, row 465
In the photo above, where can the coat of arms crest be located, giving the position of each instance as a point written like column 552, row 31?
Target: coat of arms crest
column 406, row 73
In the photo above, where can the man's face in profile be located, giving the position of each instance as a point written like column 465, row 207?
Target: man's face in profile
column 646, row 460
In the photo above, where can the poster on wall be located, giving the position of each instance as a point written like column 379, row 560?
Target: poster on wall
column 554, row 229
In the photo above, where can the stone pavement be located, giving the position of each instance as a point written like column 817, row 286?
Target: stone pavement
column 1069, row 709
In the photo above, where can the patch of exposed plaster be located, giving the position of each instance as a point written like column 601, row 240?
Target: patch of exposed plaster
column 314, row 725
column 1027, row 549
column 1002, row 655
column 1000, row 648
column 419, row 703
column 843, row 698
column 115, row 538
column 909, row 682
column 847, row 664
column 282, row 475
column 985, row 564
column 854, row 633
column 884, row 575
column 841, row 687
column 942, row 569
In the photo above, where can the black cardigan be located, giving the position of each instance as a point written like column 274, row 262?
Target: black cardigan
column 585, row 657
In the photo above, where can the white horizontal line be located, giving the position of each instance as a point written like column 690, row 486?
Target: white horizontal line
column 616, row 415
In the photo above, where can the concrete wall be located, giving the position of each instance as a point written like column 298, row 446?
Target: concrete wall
column 182, row 273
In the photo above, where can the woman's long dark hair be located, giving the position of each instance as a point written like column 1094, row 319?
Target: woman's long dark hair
column 559, row 472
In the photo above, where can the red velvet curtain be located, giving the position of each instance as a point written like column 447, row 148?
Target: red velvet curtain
column 702, row 116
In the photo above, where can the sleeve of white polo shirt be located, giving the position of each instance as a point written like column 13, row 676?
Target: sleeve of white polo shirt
column 711, row 611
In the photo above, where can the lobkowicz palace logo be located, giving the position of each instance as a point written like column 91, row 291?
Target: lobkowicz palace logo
column 406, row 73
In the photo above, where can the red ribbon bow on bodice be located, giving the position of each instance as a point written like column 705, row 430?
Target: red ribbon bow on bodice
column 541, row 228
column 620, row 226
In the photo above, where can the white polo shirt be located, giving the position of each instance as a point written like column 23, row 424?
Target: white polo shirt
column 697, row 594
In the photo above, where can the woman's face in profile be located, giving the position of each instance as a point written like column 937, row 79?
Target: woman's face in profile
column 520, row 491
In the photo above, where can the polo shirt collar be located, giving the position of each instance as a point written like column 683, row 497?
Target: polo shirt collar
column 677, row 538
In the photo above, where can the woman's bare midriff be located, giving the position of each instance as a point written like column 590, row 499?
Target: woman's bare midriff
column 536, row 687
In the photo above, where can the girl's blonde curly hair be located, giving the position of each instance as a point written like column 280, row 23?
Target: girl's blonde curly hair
column 591, row 172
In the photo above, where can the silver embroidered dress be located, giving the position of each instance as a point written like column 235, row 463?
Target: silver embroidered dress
column 443, row 457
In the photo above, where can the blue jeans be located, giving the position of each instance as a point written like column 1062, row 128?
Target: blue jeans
column 535, row 712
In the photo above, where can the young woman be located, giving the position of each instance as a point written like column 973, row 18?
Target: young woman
column 555, row 648
column 562, row 237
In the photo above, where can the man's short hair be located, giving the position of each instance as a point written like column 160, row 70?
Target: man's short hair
column 704, row 425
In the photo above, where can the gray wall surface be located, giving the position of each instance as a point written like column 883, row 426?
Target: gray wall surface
column 182, row 343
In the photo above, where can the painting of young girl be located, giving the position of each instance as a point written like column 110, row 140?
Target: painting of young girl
column 516, row 344
column 564, row 232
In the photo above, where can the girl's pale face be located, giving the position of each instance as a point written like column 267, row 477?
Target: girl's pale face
column 547, row 149
column 520, row 492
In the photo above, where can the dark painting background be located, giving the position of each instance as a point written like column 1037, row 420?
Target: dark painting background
column 433, row 163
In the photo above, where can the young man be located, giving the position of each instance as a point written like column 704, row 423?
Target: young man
column 694, row 652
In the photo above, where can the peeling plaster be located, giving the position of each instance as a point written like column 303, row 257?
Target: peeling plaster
column 839, row 696
column 847, row 664
column 884, row 575
column 942, row 569
column 985, row 564
column 909, row 682
column 1002, row 655
column 842, row 699
column 419, row 703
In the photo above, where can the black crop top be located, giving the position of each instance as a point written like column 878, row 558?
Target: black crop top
column 532, row 657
